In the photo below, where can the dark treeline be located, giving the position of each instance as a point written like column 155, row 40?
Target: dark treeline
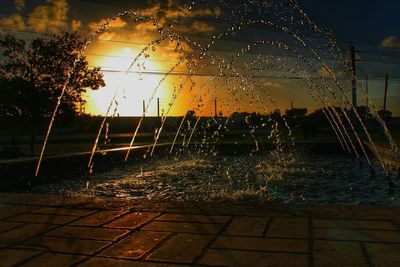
column 34, row 74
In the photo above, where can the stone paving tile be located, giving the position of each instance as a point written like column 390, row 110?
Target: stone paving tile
column 24, row 232
column 12, row 257
column 338, row 241
column 12, row 210
column 54, row 259
column 254, row 259
column 99, row 218
column 18, row 208
column 5, row 226
column 183, row 227
column 102, row 262
column 182, row 248
column 261, row 244
column 4, row 244
column 194, row 218
column 247, row 226
column 338, row 253
column 87, row 233
column 5, row 206
column 63, row 211
column 291, row 228
column 136, row 245
column 381, row 213
column 387, row 255
column 132, row 220
column 43, row 218
column 355, row 224
column 397, row 223
column 66, row 245
column 357, row 235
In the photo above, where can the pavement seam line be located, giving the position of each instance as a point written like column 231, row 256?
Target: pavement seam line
column 310, row 242
column 261, row 251
column 156, row 247
column 396, row 223
column 45, row 232
column 41, row 253
column 12, row 228
column 123, row 213
column 203, row 252
column 365, row 253
column 118, row 240
column 264, row 235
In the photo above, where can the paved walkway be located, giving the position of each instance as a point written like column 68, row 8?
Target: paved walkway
column 58, row 231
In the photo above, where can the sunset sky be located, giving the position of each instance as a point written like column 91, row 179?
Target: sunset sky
column 372, row 26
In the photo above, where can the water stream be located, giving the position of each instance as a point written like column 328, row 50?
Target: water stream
column 267, row 40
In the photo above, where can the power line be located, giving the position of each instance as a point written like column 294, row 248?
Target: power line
column 135, row 30
column 168, row 46
column 125, row 57
column 159, row 73
column 209, row 74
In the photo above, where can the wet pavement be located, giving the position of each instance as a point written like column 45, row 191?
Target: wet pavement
column 88, row 231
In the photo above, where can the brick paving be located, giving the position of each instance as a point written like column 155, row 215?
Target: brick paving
column 40, row 230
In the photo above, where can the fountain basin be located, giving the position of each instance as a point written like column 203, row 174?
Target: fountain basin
column 312, row 172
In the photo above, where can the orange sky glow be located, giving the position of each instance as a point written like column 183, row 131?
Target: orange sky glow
column 116, row 48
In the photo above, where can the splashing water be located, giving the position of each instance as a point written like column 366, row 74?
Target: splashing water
column 251, row 44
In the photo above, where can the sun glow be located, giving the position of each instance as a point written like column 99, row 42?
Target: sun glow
column 131, row 87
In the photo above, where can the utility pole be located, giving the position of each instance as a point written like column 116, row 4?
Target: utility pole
column 366, row 90
column 291, row 105
column 144, row 108
column 215, row 108
column 353, row 78
column 386, row 88
column 158, row 107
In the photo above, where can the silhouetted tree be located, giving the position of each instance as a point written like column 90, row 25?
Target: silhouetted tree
column 364, row 113
column 33, row 74
column 296, row 112
column 385, row 115
column 191, row 114
column 296, row 116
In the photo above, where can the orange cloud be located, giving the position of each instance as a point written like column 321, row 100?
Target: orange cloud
column 75, row 25
column 201, row 27
column 14, row 23
column 207, row 12
column 391, row 42
column 117, row 23
column 325, row 73
column 272, row 84
column 51, row 17
column 151, row 11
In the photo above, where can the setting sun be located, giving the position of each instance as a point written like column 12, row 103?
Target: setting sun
column 132, row 85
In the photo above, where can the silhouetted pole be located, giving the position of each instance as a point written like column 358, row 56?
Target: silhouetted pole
column 386, row 88
column 215, row 107
column 144, row 108
column 353, row 78
column 158, row 107
column 366, row 90
column 291, row 105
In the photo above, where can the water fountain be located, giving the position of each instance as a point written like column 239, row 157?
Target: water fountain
column 267, row 38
